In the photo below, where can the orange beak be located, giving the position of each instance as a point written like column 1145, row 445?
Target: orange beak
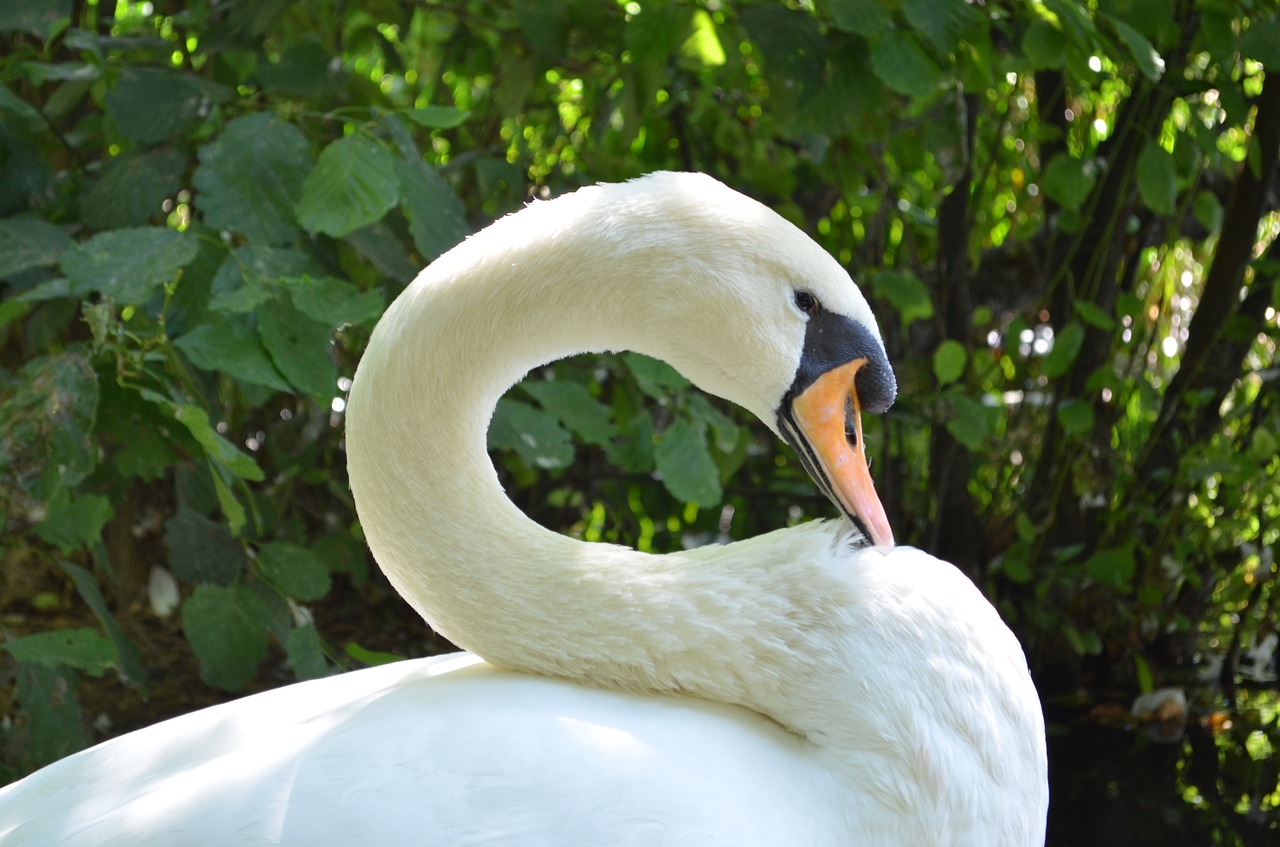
column 837, row 462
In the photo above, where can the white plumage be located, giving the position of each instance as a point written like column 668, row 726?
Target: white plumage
column 798, row 688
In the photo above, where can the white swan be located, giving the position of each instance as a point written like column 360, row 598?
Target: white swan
column 793, row 689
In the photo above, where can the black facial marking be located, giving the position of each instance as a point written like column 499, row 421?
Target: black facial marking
column 831, row 340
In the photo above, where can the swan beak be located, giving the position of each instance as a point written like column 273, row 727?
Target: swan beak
column 835, row 454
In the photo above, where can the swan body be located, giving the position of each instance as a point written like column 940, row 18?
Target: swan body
column 804, row 687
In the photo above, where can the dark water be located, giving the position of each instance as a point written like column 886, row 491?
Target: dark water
column 1216, row 782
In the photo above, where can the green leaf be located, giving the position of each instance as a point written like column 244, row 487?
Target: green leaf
column 1066, row 346
column 1076, row 417
column 294, row 570
column 654, row 377
column 970, row 423
column 372, row 658
column 41, row 18
column 306, row 68
column 299, row 346
column 686, row 466
column 1026, row 528
column 226, row 454
column 1157, row 179
column 903, row 65
column 574, row 407
column 226, row 627
column 437, row 117
column 632, row 452
column 381, row 243
column 703, row 44
column 1044, row 45
column 27, row 241
column 1114, row 567
column 153, row 104
column 1146, row 57
column 792, row 43
column 1207, row 209
column 222, row 346
column 72, row 522
column 1094, row 315
column 437, row 218
column 704, row 414
column 133, row 188
column 201, row 550
column 334, row 302
column 533, row 433
column 944, row 22
column 48, row 421
column 83, row 649
column 1016, row 563
column 949, row 360
column 354, row 183
column 1261, row 41
column 305, row 653
column 867, row 18
column 128, row 265
column 906, row 293
column 128, row 661
column 251, row 176
column 51, row 725
column 1068, row 180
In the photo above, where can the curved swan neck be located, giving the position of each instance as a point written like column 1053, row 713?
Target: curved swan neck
column 432, row 507
column 890, row 662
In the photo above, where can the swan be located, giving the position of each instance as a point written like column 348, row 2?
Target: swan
column 812, row 686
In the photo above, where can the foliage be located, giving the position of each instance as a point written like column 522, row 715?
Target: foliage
column 1063, row 213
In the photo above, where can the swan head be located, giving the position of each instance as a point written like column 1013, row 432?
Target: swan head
column 751, row 309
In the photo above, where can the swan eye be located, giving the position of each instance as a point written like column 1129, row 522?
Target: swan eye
column 806, row 302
